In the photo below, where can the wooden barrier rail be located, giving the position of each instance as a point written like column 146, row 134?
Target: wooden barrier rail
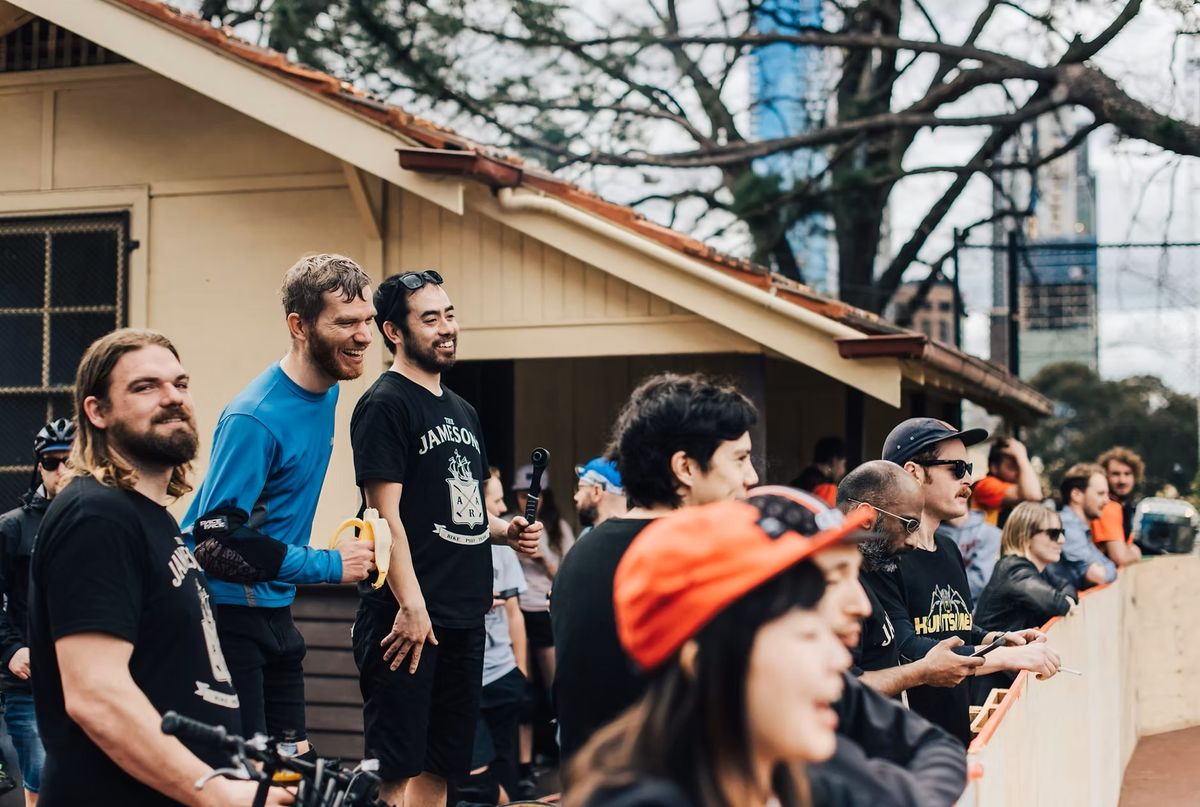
column 1066, row 741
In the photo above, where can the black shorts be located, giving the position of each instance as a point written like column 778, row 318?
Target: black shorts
column 265, row 651
column 423, row 721
column 537, row 629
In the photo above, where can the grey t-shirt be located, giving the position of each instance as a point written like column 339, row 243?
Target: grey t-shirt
column 507, row 582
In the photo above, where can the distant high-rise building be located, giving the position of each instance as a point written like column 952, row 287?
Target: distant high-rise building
column 786, row 102
column 1057, row 258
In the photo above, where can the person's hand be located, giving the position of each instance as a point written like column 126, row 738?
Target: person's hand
column 1037, row 658
column 1137, row 552
column 944, row 667
column 358, row 560
column 1027, row 636
column 220, row 792
column 1074, row 607
column 1016, row 449
column 18, row 665
column 1096, row 574
column 411, row 629
column 523, row 536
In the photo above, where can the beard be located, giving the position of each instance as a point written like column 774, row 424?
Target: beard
column 588, row 515
column 878, row 555
column 158, row 450
column 324, row 353
column 427, row 357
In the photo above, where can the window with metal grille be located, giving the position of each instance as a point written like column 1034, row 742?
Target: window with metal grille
column 62, row 285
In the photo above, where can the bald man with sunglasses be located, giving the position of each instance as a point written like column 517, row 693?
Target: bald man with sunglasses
column 926, row 596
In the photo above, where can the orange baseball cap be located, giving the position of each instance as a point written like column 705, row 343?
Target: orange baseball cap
column 686, row 568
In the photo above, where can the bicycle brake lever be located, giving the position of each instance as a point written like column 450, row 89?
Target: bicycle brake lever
column 225, row 773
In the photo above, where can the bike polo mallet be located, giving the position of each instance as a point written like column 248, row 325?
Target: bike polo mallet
column 540, row 458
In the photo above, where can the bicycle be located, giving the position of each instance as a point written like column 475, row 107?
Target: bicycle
column 321, row 783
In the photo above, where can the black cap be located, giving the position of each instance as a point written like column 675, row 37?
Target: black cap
column 917, row 434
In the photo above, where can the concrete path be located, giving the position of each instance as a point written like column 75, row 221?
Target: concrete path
column 1164, row 771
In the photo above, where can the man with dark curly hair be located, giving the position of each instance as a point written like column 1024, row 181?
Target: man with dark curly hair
column 681, row 440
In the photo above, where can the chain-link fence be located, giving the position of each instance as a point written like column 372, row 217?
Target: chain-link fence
column 62, row 285
column 1122, row 308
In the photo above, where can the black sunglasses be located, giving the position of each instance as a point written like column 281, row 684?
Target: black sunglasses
column 52, row 463
column 415, row 280
column 1053, row 533
column 911, row 525
column 959, row 468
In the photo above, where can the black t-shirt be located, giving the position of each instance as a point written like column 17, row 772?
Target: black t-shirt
column 643, row 792
column 928, row 600
column 594, row 680
column 112, row 561
column 430, row 444
column 876, row 648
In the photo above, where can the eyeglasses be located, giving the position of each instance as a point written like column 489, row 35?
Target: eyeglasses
column 52, row 463
column 1053, row 533
column 911, row 525
column 959, row 468
column 415, row 280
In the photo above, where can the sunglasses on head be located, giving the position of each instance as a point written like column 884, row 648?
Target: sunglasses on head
column 52, row 463
column 415, row 280
column 1053, row 533
column 959, row 468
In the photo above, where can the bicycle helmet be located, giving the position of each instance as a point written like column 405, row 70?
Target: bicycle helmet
column 57, row 435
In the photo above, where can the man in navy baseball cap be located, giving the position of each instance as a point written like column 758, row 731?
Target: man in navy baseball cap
column 915, row 435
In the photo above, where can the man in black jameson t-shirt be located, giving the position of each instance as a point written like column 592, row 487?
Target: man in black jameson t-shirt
column 420, row 461
column 927, row 597
column 594, row 681
column 121, row 624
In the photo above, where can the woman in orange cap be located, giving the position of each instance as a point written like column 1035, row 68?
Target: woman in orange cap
column 718, row 606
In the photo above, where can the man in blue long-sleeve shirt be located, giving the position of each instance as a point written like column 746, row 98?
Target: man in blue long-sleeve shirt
column 1084, row 490
column 269, row 457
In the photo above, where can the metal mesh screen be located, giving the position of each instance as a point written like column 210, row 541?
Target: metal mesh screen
column 62, row 285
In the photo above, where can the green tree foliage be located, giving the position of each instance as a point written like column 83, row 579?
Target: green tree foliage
column 1091, row 415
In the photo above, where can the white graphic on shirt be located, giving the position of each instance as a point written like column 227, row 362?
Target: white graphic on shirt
column 180, row 561
column 889, row 632
column 216, row 658
column 948, row 613
column 466, row 503
column 206, row 693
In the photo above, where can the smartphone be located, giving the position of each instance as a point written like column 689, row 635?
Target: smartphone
column 983, row 651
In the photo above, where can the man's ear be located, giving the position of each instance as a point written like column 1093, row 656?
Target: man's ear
column 687, row 658
column 297, row 327
column 683, row 467
column 95, row 411
column 392, row 333
column 917, row 471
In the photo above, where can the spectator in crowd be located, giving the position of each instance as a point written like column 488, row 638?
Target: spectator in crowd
column 887, row 756
column 420, row 460
column 540, row 570
column 18, row 530
column 494, row 777
column 718, row 606
column 121, row 624
column 680, row 440
column 927, row 597
column 1020, row 593
column 1113, row 530
column 898, row 502
column 269, row 456
column 1084, row 491
column 979, row 543
column 1010, row 479
column 599, row 495
column 827, row 469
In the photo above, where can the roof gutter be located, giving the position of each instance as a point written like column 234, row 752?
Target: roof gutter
column 529, row 202
column 493, row 172
column 985, row 376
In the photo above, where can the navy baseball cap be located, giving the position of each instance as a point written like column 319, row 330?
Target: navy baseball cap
column 917, row 434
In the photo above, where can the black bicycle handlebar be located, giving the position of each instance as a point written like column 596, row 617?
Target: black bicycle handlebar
column 185, row 728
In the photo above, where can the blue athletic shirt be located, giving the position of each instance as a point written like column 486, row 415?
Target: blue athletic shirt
column 269, row 457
